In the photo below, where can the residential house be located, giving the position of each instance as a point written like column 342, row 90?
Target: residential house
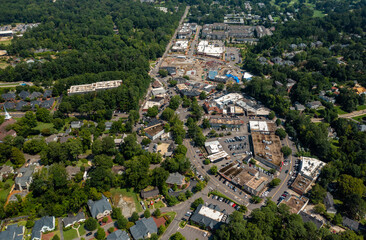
column 8, row 96
column 100, row 208
column 48, row 103
column 314, row 104
column 9, row 105
column 118, row 235
column 47, row 94
column 5, row 171
column 209, row 216
column 35, row 95
column 308, row 218
column 176, row 179
column 12, row 232
column 34, row 103
column 71, row 219
column 329, row 203
column 45, row 224
column 143, row 228
column 119, row 170
column 20, row 105
column 24, row 94
column 72, row 171
column 150, row 194
column 24, row 178
column 351, row 224
column 76, row 124
column 108, row 126
column 299, row 107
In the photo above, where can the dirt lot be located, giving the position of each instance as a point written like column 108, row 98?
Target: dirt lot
column 126, row 204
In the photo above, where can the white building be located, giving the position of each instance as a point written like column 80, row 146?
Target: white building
column 258, row 126
column 98, row 86
column 228, row 99
column 210, row 48
column 311, row 167
column 180, row 45
column 213, row 147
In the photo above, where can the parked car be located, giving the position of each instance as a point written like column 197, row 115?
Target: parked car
column 89, row 233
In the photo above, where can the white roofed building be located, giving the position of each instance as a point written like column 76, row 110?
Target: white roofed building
column 311, row 167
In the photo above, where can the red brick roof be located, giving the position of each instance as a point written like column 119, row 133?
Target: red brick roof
column 159, row 221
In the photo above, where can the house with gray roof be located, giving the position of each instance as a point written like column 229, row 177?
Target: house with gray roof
column 299, row 107
column 100, row 208
column 24, row 178
column 48, row 103
column 8, row 96
column 9, row 105
column 76, row 124
column 351, row 224
column 176, row 178
column 118, row 235
column 45, row 224
column 209, row 216
column 24, row 94
column 47, row 94
column 72, row 171
column 329, row 203
column 35, row 95
column 71, row 219
column 143, row 228
column 150, row 194
column 308, row 218
column 34, row 103
column 19, row 106
column 314, row 104
column 13, row 232
column 108, row 126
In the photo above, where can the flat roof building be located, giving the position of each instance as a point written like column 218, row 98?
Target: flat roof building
column 301, row 185
column 259, row 126
column 267, row 149
column 311, row 167
column 213, row 147
column 296, row 204
column 209, row 217
column 211, row 48
column 98, row 86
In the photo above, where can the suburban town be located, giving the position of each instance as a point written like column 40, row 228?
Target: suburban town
column 202, row 128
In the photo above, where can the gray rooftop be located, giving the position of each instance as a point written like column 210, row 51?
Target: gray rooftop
column 143, row 228
column 118, row 235
column 99, row 206
column 71, row 219
column 175, row 178
column 46, row 221
column 12, row 232
column 206, row 221
column 26, row 176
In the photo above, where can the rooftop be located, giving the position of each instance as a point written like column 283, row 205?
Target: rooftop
column 301, row 184
column 258, row 126
column 295, row 203
column 310, row 167
column 213, row 147
column 85, row 88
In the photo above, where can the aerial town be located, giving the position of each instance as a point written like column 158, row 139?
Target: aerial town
column 188, row 122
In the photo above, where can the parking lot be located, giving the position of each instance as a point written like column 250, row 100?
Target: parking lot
column 190, row 232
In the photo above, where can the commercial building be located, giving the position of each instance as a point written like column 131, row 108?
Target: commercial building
column 180, row 46
column 267, row 149
column 211, row 48
column 310, row 167
column 258, row 126
column 209, row 217
column 6, row 33
column 226, row 122
column 155, row 131
column 158, row 92
column 231, row 98
column 213, row 147
column 301, row 185
column 98, row 86
column 245, row 177
column 296, row 204
column 216, row 157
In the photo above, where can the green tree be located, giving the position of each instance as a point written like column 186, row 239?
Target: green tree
column 205, row 123
column 163, row 73
column 286, row 151
column 175, row 101
column 319, row 208
column 220, row 87
column 167, row 114
column 146, row 141
column 348, row 185
column 17, row 157
column 271, row 115
column 197, row 202
column 56, row 237
column 29, row 224
column 337, row 220
column 177, row 236
column 275, row 182
column 135, row 216
column 203, row 95
column 147, row 213
column 317, row 194
column 122, row 222
column 91, row 224
column 30, row 119
column 152, row 111
column 281, row 133
column 100, row 234
column 157, row 213
column 213, row 170
column 43, row 115
column 161, row 230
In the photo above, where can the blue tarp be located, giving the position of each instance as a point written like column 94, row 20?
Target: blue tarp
column 232, row 76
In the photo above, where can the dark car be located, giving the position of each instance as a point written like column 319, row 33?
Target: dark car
column 89, row 233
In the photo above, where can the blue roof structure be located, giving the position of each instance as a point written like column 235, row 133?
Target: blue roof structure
column 232, row 76
column 212, row 75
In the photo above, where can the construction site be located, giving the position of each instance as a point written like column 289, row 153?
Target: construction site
column 267, row 149
column 198, row 68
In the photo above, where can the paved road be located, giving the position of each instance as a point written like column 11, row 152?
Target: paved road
column 347, row 115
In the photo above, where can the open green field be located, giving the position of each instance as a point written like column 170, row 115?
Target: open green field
column 82, row 230
column 5, row 192
column 170, row 214
column 131, row 194
column 6, row 42
column 42, row 126
column 339, row 110
column 359, row 118
column 362, row 107
column 70, row 234
column 318, row 13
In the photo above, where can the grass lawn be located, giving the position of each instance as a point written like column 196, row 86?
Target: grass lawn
column 318, row 13
column 5, row 192
column 22, row 223
column 42, row 126
column 70, row 234
column 82, row 230
column 6, row 42
column 159, row 204
column 124, row 192
column 182, row 224
column 170, row 214
column 359, row 118
column 339, row 110
column 362, row 107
